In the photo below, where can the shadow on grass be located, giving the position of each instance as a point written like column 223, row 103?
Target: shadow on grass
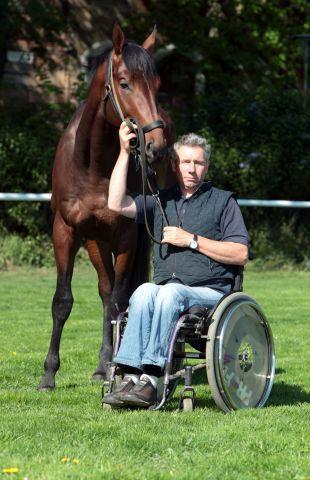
column 280, row 370
column 282, row 393
column 285, row 394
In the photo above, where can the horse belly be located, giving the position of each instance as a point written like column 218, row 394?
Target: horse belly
column 97, row 223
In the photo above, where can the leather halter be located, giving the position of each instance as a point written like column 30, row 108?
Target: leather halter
column 110, row 94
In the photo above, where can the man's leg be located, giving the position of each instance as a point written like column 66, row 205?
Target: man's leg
column 134, row 342
column 138, row 328
column 171, row 300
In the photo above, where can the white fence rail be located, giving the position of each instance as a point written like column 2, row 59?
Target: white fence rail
column 25, row 197
column 243, row 202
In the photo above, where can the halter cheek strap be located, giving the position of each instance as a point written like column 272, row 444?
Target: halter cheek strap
column 110, row 92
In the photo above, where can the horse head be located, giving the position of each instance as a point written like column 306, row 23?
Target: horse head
column 133, row 85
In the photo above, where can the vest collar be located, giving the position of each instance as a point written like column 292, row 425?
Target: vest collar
column 204, row 187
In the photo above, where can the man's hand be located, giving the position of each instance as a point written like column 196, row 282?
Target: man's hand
column 176, row 236
column 125, row 135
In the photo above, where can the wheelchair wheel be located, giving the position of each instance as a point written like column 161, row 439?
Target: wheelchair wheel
column 240, row 354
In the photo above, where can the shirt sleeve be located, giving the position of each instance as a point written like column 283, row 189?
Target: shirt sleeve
column 150, row 205
column 232, row 224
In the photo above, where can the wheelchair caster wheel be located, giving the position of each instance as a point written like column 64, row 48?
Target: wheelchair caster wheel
column 188, row 404
column 106, row 406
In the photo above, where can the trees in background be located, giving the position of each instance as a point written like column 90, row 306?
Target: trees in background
column 232, row 72
column 237, row 74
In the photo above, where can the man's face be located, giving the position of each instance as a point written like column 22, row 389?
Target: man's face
column 190, row 167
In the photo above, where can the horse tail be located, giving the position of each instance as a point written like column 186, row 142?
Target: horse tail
column 141, row 265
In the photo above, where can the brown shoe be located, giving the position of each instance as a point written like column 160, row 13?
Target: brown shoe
column 125, row 386
column 143, row 394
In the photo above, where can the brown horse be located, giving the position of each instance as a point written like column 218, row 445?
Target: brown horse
column 84, row 161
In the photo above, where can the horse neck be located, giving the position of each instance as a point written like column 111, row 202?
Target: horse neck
column 96, row 142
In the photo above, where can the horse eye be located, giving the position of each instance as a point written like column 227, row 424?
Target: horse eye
column 124, row 85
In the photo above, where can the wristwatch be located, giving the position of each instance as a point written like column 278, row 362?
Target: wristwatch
column 194, row 242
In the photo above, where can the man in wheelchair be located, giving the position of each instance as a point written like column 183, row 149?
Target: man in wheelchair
column 194, row 263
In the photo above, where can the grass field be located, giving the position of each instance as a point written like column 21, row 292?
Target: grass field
column 65, row 434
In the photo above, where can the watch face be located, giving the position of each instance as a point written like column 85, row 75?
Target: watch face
column 193, row 244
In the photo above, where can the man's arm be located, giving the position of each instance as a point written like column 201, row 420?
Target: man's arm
column 118, row 200
column 232, row 249
column 224, row 252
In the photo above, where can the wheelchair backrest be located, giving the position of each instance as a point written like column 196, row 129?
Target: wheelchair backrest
column 237, row 285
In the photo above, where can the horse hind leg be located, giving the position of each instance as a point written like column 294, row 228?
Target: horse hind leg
column 65, row 248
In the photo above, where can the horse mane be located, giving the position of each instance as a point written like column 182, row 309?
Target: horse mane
column 137, row 60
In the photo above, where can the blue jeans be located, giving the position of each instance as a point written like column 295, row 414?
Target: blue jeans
column 153, row 313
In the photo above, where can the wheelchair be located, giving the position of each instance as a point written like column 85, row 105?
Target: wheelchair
column 232, row 341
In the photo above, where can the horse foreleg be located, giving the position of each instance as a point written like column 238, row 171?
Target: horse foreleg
column 65, row 248
column 100, row 255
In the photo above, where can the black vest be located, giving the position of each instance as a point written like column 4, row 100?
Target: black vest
column 202, row 217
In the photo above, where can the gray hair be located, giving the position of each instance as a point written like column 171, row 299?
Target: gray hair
column 194, row 140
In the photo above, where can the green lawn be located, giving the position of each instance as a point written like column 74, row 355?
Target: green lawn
column 38, row 431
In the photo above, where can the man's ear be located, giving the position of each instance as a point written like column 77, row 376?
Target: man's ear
column 149, row 43
column 118, row 39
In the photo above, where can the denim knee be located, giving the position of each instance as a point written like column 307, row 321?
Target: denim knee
column 169, row 295
column 144, row 292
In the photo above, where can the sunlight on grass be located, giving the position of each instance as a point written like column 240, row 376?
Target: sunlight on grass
column 65, row 433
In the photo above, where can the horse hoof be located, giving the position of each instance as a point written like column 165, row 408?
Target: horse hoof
column 46, row 386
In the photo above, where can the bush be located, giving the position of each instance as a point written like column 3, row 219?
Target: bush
column 30, row 251
column 261, row 143
column 261, row 150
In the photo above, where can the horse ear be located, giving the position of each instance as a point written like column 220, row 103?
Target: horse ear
column 149, row 43
column 118, row 39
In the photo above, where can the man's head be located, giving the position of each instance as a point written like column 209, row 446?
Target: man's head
column 191, row 161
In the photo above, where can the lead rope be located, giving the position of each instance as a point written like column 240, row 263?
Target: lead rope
column 140, row 151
